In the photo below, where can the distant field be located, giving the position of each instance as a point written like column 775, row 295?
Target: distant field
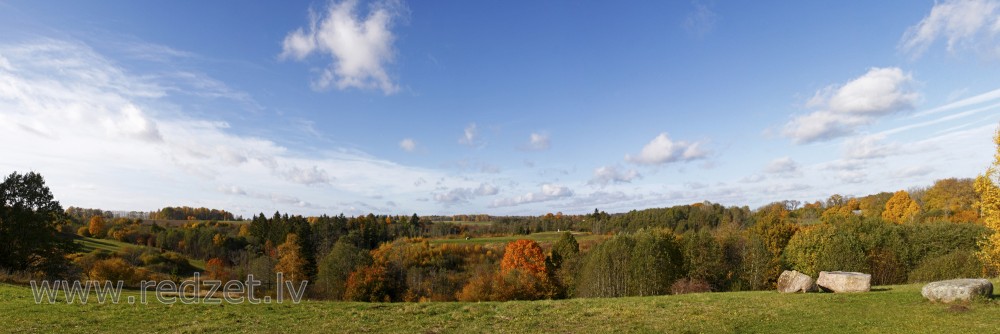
column 891, row 309
column 541, row 237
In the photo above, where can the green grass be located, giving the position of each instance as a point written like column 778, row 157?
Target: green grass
column 541, row 237
column 893, row 309
column 89, row 244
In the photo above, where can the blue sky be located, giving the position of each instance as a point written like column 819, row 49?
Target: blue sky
column 442, row 107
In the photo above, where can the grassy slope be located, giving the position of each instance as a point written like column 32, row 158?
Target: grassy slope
column 88, row 244
column 895, row 309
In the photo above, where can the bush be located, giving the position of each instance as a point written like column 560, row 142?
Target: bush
column 957, row 264
column 83, row 231
column 690, row 285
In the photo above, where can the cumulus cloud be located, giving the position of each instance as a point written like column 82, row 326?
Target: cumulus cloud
column 662, row 150
column 538, row 141
column 548, row 192
column 463, row 195
column 408, row 144
column 360, row 44
column 842, row 110
column 973, row 24
column 611, row 175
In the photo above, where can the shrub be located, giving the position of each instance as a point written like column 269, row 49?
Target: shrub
column 690, row 285
column 957, row 264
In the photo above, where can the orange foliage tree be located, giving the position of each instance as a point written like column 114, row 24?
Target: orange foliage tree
column 525, row 255
column 215, row 269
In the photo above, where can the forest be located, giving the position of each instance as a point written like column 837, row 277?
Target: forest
column 943, row 230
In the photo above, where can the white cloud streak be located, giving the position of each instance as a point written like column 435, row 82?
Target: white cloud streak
column 964, row 24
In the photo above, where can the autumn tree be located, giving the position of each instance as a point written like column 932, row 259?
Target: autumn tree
column 525, row 255
column 987, row 186
column 900, row 208
column 337, row 266
column 955, row 199
column 290, row 261
column 216, row 269
column 97, row 228
column 774, row 228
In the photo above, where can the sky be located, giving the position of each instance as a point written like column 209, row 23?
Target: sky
column 496, row 107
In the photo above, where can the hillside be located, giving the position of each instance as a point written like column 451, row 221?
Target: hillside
column 889, row 309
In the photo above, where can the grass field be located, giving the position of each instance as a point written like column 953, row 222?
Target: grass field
column 541, row 237
column 88, row 244
column 892, row 309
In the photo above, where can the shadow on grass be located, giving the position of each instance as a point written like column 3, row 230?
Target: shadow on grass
column 881, row 289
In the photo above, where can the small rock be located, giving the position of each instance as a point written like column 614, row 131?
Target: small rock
column 957, row 290
column 843, row 281
column 792, row 281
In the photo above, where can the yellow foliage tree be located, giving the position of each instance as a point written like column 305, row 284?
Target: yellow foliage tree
column 96, row 227
column 989, row 207
column 290, row 261
column 900, row 208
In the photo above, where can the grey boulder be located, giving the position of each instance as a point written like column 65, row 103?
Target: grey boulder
column 957, row 290
column 843, row 281
column 792, row 281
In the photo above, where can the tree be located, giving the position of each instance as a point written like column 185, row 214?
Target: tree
column 290, row 261
column 525, row 255
column 336, row 267
column 952, row 198
column 215, row 269
column 900, row 208
column 97, row 227
column 29, row 216
column 987, row 186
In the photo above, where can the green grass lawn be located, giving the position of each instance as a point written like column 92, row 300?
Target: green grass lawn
column 541, row 237
column 892, row 309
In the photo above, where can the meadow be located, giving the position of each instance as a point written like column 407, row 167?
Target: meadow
column 887, row 309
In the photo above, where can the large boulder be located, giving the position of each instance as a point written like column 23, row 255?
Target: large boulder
column 843, row 281
column 957, row 290
column 793, row 281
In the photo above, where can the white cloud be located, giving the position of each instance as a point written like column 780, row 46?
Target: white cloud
column 408, row 144
column 869, row 147
column 782, row 166
column 538, row 141
column 842, row 110
column 662, row 150
column 470, row 136
column 610, row 175
column 307, row 176
column 970, row 24
column 361, row 46
column 912, row 172
column 71, row 114
column 463, row 195
column 548, row 192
